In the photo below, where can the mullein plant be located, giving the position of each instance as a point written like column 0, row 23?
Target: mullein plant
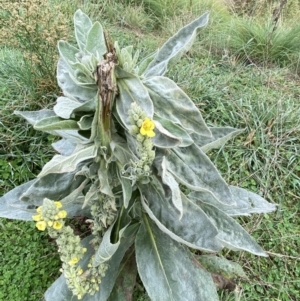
column 132, row 160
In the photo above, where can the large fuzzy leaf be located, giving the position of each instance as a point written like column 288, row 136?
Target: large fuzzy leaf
column 220, row 135
column 67, row 52
column 121, row 152
column 170, row 181
column 168, row 271
column 65, row 106
column 176, row 131
column 193, row 229
column 249, row 202
column 163, row 138
column 125, row 283
column 132, row 90
column 35, row 116
column 107, row 249
column 12, row 207
column 95, row 42
column 55, row 123
column 52, row 186
column 70, row 88
column 64, row 147
column 175, row 47
column 220, row 265
column 231, row 234
column 193, row 168
column 171, row 103
column 82, row 24
column 63, row 164
column 246, row 202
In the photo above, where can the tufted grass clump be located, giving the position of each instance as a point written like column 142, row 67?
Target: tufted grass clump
column 34, row 28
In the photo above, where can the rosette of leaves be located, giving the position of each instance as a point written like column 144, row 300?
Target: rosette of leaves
column 155, row 223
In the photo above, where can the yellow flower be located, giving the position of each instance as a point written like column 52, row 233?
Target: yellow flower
column 147, row 128
column 41, row 225
column 62, row 214
column 57, row 225
column 58, row 204
column 39, row 209
column 73, row 260
column 37, row 217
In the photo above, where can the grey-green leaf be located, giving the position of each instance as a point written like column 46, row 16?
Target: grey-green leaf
column 64, row 146
column 52, row 186
column 95, row 42
column 70, row 88
column 163, row 138
column 223, row 266
column 175, row 47
column 157, row 255
column 12, row 207
column 55, row 124
column 35, row 116
column 193, row 168
column 193, row 229
column 169, row 180
column 171, row 103
column 107, row 249
column 65, row 106
column 132, row 90
column 246, row 202
column 176, row 130
column 82, row 24
column 220, row 135
column 67, row 52
column 231, row 234
column 85, row 122
column 125, row 283
column 62, row 164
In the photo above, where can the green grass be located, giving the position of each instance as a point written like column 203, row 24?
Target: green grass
column 262, row 98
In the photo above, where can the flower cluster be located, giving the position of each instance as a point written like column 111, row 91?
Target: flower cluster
column 49, row 215
column 103, row 211
column 80, row 282
column 71, row 251
column 143, row 129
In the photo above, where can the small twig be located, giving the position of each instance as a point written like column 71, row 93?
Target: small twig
column 277, row 12
column 282, row 255
column 296, row 196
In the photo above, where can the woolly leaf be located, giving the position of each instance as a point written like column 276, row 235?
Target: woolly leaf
column 125, row 283
column 70, row 88
column 157, row 256
column 67, row 52
column 35, row 116
column 171, row 103
column 95, row 41
column 62, row 164
column 176, row 130
column 220, row 135
column 82, row 24
column 246, row 202
column 192, row 168
column 231, row 234
column 132, row 90
column 175, row 47
column 220, row 265
column 55, row 123
column 193, row 229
